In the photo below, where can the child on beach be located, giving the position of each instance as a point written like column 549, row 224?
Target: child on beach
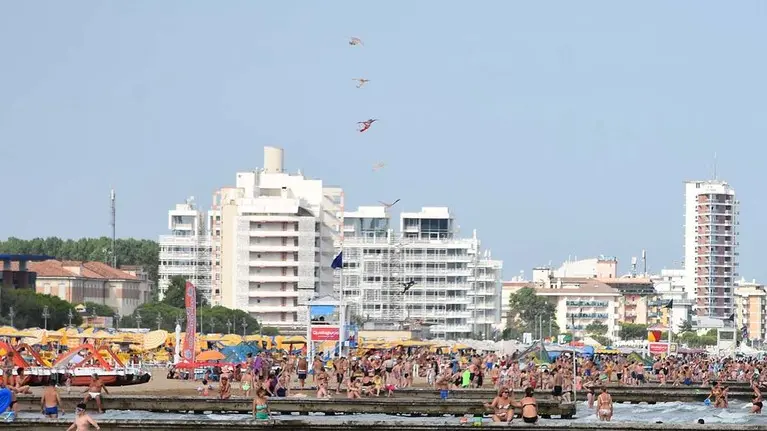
column 204, row 389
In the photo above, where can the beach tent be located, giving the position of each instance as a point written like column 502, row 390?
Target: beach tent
column 537, row 351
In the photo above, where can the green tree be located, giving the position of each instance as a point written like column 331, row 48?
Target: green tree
column 149, row 313
column 633, row 331
column 270, row 331
column 686, row 326
column 596, row 328
column 525, row 308
column 175, row 294
column 99, row 309
column 129, row 251
column 28, row 309
column 216, row 319
column 601, row 339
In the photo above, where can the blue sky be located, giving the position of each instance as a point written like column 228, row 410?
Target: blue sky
column 554, row 128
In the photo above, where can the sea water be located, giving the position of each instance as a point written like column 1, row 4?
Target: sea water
column 675, row 412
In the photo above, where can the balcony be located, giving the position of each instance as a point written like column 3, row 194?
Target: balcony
column 258, row 278
column 586, row 303
column 270, row 293
column 258, row 308
column 274, row 248
column 273, row 263
column 263, row 233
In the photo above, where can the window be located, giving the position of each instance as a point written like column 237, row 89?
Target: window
column 258, row 226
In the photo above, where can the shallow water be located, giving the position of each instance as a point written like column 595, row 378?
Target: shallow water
column 677, row 412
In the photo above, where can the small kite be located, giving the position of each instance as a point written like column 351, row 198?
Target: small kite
column 389, row 205
column 360, row 81
column 364, row 125
column 378, row 166
column 354, row 41
column 407, row 286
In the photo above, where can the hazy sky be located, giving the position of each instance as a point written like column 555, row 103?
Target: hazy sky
column 553, row 128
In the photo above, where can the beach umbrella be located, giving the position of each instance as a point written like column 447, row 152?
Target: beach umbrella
column 210, row 355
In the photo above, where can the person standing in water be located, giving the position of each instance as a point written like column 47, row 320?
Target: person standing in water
column 83, row 421
column 261, row 406
column 604, row 405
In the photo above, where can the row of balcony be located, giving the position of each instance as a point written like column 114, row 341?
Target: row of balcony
column 586, row 303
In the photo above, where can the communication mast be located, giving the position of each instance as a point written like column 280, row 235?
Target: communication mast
column 113, row 223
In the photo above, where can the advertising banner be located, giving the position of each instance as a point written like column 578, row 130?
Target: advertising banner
column 326, row 333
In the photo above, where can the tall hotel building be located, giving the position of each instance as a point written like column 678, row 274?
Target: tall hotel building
column 267, row 245
column 186, row 251
column 273, row 239
column 457, row 286
column 710, row 247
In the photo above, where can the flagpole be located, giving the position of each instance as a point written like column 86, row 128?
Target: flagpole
column 342, row 333
column 670, row 308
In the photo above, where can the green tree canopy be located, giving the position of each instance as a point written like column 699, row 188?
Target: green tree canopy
column 596, row 328
column 633, row 331
column 525, row 308
column 175, row 294
column 209, row 319
column 129, row 251
column 28, row 309
column 99, row 309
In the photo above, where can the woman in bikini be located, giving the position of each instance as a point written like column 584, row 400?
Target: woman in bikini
column 261, row 406
column 503, row 407
column 529, row 407
column 604, row 405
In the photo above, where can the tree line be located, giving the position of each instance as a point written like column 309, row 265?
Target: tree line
column 129, row 251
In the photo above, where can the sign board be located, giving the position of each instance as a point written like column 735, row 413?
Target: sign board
column 661, row 348
column 325, row 333
column 324, row 314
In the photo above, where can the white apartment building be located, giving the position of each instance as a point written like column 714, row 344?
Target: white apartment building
column 579, row 301
column 186, row 252
column 457, row 286
column 670, row 285
column 599, row 267
column 710, row 247
column 273, row 243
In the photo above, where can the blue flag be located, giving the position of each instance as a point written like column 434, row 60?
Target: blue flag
column 338, row 262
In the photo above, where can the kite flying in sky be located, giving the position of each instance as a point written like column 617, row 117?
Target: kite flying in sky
column 407, row 286
column 389, row 205
column 364, row 125
column 361, row 81
column 353, row 41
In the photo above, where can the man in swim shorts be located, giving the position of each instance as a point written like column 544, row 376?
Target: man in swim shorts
column 94, row 391
column 50, row 400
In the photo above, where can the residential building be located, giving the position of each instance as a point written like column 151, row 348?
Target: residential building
column 710, row 247
column 601, row 267
column 15, row 272
column 80, row 282
column 671, row 288
column 186, row 252
column 457, row 286
column 272, row 242
column 636, row 304
column 751, row 309
column 580, row 302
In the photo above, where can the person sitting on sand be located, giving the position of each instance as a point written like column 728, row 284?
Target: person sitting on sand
column 50, row 401
column 353, row 389
column 604, row 405
column 93, row 391
column 529, row 406
column 503, row 407
column 20, row 382
column 83, row 421
column 205, row 388
column 261, row 405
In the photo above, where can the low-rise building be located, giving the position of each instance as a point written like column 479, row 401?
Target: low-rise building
column 582, row 301
column 79, row 282
column 751, row 309
column 637, row 295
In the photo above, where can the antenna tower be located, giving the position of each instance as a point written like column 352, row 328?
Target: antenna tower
column 113, row 223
